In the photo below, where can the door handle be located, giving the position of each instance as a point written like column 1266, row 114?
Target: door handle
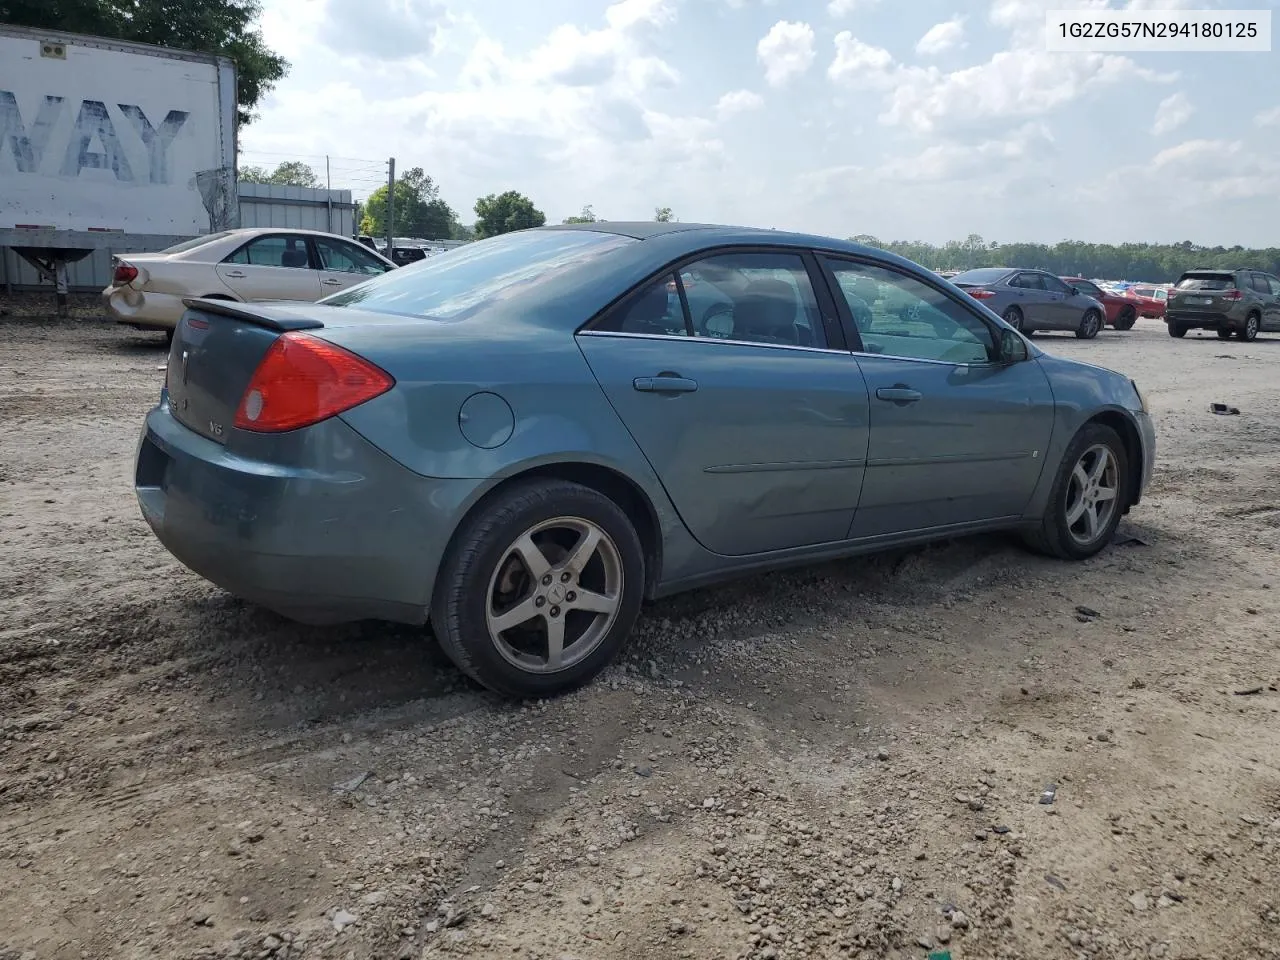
column 331, row 282
column 664, row 384
column 235, row 274
column 898, row 394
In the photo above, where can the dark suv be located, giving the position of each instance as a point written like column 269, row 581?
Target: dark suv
column 1243, row 302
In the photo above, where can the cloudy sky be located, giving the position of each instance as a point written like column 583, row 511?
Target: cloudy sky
column 906, row 119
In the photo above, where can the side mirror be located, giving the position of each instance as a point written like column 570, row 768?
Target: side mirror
column 1013, row 349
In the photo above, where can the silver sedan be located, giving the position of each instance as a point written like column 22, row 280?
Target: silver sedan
column 1032, row 300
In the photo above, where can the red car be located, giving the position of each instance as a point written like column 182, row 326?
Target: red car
column 1122, row 312
column 1151, row 300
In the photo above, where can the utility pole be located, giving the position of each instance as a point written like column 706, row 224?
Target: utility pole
column 328, row 198
column 391, row 203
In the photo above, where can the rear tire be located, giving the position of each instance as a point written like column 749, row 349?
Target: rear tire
column 517, row 557
column 1090, row 324
column 1224, row 333
column 1249, row 332
column 1128, row 317
column 1064, row 532
column 1013, row 317
column 1177, row 330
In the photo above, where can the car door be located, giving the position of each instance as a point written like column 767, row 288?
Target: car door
column 736, row 385
column 344, row 264
column 1271, row 314
column 1261, row 289
column 273, row 266
column 1063, row 305
column 956, row 436
column 1031, row 298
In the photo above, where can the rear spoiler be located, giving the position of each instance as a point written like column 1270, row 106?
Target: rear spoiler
column 273, row 316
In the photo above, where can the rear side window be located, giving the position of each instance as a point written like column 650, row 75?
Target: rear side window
column 1260, row 284
column 273, row 252
column 1207, row 281
column 457, row 284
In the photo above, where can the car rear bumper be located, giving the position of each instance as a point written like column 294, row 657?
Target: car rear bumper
column 350, row 535
column 140, row 308
column 1205, row 321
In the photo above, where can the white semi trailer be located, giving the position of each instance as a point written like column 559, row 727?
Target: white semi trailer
column 105, row 143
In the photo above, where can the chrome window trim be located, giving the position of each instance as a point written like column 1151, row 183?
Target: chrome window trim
column 778, row 346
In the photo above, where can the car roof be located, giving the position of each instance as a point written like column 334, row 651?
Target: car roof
column 711, row 234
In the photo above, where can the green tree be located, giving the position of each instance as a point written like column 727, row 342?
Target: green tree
column 291, row 173
column 419, row 210
column 225, row 27
column 505, row 212
column 662, row 214
column 586, row 216
column 1150, row 262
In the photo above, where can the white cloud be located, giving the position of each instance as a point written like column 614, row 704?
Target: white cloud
column 388, row 30
column 786, row 51
column 859, row 63
column 956, row 160
column 1014, row 85
column 1173, row 112
column 1268, row 118
column 738, row 101
column 942, row 37
column 842, row 8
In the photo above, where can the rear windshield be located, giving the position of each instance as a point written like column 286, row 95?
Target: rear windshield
column 186, row 245
column 460, row 282
column 981, row 275
column 1207, row 281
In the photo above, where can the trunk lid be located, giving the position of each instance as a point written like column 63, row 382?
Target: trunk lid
column 217, row 346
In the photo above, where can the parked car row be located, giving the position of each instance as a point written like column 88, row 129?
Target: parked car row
column 702, row 403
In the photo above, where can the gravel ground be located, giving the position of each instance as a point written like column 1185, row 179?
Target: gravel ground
column 844, row 761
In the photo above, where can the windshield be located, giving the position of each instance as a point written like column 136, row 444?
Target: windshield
column 458, row 283
column 981, row 275
column 191, row 244
column 1207, row 281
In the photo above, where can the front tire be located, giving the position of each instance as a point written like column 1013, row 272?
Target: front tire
column 1088, row 498
column 1249, row 332
column 1090, row 324
column 539, row 589
column 1177, row 330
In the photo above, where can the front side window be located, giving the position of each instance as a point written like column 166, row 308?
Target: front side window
column 1028, row 281
column 1088, row 289
column 901, row 316
column 347, row 258
column 753, row 297
column 1054, row 285
column 462, row 282
column 273, row 252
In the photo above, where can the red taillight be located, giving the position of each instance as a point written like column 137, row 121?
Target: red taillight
column 980, row 293
column 303, row 380
column 125, row 273
column 1233, row 295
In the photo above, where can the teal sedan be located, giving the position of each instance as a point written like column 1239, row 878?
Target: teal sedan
column 523, row 439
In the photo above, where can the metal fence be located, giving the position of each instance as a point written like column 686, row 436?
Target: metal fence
column 261, row 205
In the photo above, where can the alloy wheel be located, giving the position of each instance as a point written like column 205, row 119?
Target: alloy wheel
column 1092, row 494
column 554, row 595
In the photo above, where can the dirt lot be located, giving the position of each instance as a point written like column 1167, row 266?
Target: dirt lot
column 844, row 761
